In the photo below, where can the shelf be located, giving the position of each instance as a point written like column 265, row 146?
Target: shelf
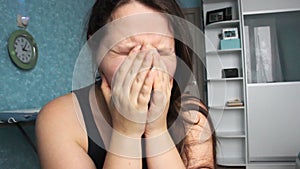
column 223, row 24
column 231, row 134
column 225, row 79
column 223, row 51
column 226, row 108
column 232, row 161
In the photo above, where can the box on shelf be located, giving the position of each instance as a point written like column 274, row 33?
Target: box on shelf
column 234, row 103
column 230, row 44
column 230, row 73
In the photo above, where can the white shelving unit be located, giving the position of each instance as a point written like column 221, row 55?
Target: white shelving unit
column 229, row 122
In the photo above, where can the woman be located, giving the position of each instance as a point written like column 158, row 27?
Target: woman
column 136, row 96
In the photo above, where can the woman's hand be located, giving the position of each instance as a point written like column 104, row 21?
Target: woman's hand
column 160, row 99
column 130, row 92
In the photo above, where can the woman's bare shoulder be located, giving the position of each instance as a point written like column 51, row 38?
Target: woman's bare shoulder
column 58, row 108
column 58, row 131
column 60, row 116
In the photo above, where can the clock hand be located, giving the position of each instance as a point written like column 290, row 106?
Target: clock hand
column 24, row 47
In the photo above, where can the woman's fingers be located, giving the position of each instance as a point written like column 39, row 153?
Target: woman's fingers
column 119, row 78
column 162, row 78
column 144, row 94
column 135, row 80
column 160, row 95
column 134, row 70
column 142, row 84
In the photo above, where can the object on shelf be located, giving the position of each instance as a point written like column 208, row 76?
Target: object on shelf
column 230, row 33
column 22, row 21
column 230, row 44
column 234, row 103
column 230, row 73
column 218, row 15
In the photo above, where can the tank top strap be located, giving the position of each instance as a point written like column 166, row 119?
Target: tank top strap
column 96, row 152
column 83, row 99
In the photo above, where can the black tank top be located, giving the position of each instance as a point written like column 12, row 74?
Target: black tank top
column 96, row 153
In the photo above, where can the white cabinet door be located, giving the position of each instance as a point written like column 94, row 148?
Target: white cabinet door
column 274, row 121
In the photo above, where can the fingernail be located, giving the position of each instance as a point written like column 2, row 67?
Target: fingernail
column 155, row 51
column 148, row 46
column 137, row 48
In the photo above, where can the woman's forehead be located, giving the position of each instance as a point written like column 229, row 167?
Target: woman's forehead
column 140, row 29
column 131, row 8
column 143, row 16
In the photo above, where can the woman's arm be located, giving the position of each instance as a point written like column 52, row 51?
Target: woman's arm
column 161, row 153
column 124, row 152
column 198, row 149
column 199, row 144
column 127, row 99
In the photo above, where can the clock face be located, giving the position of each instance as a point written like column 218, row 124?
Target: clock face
column 23, row 49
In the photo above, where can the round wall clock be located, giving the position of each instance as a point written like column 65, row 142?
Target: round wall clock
column 22, row 49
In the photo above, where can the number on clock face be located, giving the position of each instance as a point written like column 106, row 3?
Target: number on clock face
column 23, row 49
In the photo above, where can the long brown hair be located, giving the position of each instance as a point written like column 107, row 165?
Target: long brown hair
column 100, row 15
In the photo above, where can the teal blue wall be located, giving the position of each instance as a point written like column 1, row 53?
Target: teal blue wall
column 58, row 27
column 189, row 3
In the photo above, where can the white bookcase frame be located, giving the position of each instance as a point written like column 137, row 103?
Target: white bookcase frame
column 229, row 122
